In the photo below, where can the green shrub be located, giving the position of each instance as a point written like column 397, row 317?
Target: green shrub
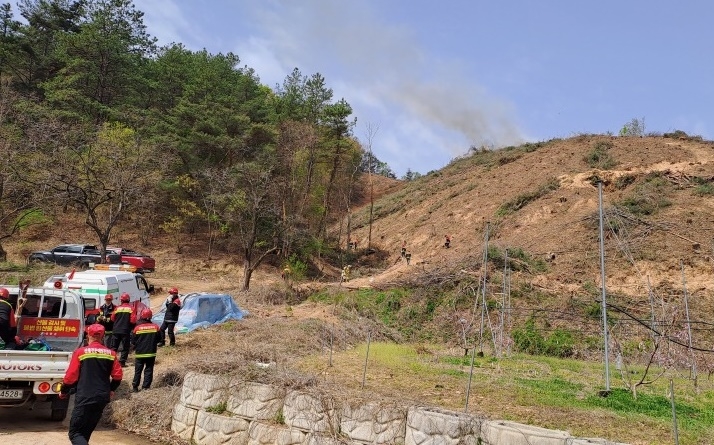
column 521, row 201
column 218, row 409
column 518, row 260
column 559, row 343
column 636, row 127
column 649, row 196
column 298, row 269
column 624, row 181
column 704, row 187
column 599, row 156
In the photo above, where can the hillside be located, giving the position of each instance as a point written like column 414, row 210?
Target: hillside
column 662, row 187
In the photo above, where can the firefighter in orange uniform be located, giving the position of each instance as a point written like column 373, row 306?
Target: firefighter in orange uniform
column 144, row 338
column 124, row 319
column 7, row 317
column 95, row 373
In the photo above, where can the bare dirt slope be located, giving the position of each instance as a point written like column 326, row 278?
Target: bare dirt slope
column 562, row 225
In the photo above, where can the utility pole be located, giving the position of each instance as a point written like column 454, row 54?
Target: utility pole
column 483, row 288
column 604, row 292
column 693, row 369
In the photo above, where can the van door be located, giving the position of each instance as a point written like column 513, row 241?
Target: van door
column 143, row 285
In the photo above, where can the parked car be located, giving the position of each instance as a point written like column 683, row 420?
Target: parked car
column 81, row 255
column 142, row 261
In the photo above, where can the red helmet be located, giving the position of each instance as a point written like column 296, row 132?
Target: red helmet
column 108, row 297
column 4, row 293
column 173, row 290
column 94, row 330
column 125, row 298
column 146, row 314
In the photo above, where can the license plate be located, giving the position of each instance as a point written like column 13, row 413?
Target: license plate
column 10, row 393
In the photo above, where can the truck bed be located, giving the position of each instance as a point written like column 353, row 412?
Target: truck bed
column 33, row 365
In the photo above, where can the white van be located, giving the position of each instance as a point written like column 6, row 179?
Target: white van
column 93, row 285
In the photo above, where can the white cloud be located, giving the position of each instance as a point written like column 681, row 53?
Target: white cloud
column 426, row 109
column 166, row 21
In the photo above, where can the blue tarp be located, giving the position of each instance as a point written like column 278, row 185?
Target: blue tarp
column 200, row 310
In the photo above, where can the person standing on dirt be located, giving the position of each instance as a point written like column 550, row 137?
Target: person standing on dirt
column 447, row 241
column 173, row 306
column 105, row 319
column 404, row 249
column 345, row 275
column 7, row 318
column 124, row 319
column 95, row 373
column 144, row 339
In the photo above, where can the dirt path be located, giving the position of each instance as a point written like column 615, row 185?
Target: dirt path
column 22, row 426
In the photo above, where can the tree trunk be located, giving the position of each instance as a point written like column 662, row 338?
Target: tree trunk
column 247, row 272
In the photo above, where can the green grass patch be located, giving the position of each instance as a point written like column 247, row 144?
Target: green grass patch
column 648, row 196
column 599, row 157
column 556, row 392
column 218, row 409
column 524, row 199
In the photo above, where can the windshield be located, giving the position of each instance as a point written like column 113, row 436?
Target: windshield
column 56, row 317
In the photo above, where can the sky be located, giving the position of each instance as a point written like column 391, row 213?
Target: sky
column 427, row 80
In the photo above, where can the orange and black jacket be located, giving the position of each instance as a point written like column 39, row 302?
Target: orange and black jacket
column 7, row 313
column 144, row 339
column 95, row 371
column 124, row 319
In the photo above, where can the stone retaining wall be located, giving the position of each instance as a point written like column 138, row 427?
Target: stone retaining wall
column 216, row 410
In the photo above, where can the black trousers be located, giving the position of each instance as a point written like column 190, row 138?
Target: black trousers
column 6, row 332
column 170, row 325
column 146, row 365
column 83, row 422
column 123, row 340
column 108, row 339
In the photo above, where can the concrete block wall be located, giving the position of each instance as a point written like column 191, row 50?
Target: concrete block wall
column 217, row 410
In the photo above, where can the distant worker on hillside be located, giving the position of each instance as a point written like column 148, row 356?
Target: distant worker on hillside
column 404, row 249
column 447, row 241
column 345, row 275
column 408, row 257
column 285, row 275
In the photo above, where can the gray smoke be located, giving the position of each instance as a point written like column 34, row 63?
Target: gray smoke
column 385, row 65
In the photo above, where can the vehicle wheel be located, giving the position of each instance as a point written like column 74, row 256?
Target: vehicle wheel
column 83, row 266
column 59, row 409
column 58, row 415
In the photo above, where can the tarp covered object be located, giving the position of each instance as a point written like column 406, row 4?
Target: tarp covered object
column 200, row 310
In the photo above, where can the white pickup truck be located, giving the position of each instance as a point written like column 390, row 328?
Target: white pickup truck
column 29, row 376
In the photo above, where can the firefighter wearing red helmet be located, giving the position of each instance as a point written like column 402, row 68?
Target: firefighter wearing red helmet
column 173, row 306
column 7, row 317
column 95, row 373
column 144, row 338
column 124, row 318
